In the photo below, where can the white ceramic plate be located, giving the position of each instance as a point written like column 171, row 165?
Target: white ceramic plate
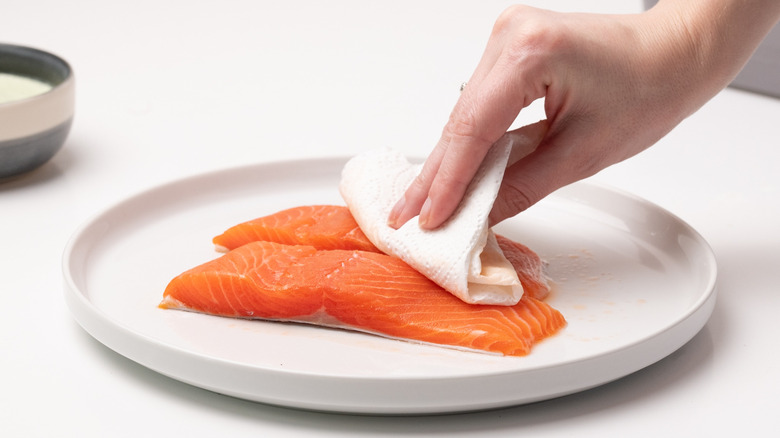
column 634, row 282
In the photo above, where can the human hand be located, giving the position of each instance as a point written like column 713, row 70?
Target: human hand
column 613, row 85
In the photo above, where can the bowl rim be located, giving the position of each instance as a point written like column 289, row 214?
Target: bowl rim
column 22, row 118
column 50, row 62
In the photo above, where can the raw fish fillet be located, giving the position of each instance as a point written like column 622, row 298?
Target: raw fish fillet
column 528, row 266
column 327, row 227
column 357, row 290
column 321, row 226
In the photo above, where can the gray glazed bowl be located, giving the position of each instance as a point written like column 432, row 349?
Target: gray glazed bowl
column 33, row 129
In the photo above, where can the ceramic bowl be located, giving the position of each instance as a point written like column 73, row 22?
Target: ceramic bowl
column 33, row 129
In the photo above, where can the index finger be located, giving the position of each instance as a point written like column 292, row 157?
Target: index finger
column 480, row 118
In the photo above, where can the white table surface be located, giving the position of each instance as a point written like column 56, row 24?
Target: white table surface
column 175, row 88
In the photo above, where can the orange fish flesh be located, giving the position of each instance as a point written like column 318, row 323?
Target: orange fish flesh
column 328, row 227
column 321, row 226
column 358, row 290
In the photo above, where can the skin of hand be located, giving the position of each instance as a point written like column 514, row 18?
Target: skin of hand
column 613, row 85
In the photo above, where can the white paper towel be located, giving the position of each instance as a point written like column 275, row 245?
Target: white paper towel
column 462, row 255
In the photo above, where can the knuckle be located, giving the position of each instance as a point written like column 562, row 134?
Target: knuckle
column 452, row 185
column 517, row 197
column 464, row 127
column 449, row 183
column 533, row 34
column 418, row 185
column 508, row 19
column 462, row 124
column 587, row 155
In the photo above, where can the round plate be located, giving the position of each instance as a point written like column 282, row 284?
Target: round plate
column 634, row 282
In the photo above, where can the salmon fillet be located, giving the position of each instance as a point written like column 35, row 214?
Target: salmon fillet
column 358, row 290
column 320, row 226
column 528, row 265
column 328, row 227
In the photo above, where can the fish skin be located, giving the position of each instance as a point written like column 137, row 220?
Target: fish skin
column 357, row 290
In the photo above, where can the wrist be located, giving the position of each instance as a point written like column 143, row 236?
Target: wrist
column 714, row 39
column 690, row 50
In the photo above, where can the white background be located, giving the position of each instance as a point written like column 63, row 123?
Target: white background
column 175, row 88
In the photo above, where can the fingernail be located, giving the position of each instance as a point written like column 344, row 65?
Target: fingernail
column 425, row 213
column 392, row 219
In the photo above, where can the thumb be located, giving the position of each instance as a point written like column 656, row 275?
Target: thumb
column 512, row 200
